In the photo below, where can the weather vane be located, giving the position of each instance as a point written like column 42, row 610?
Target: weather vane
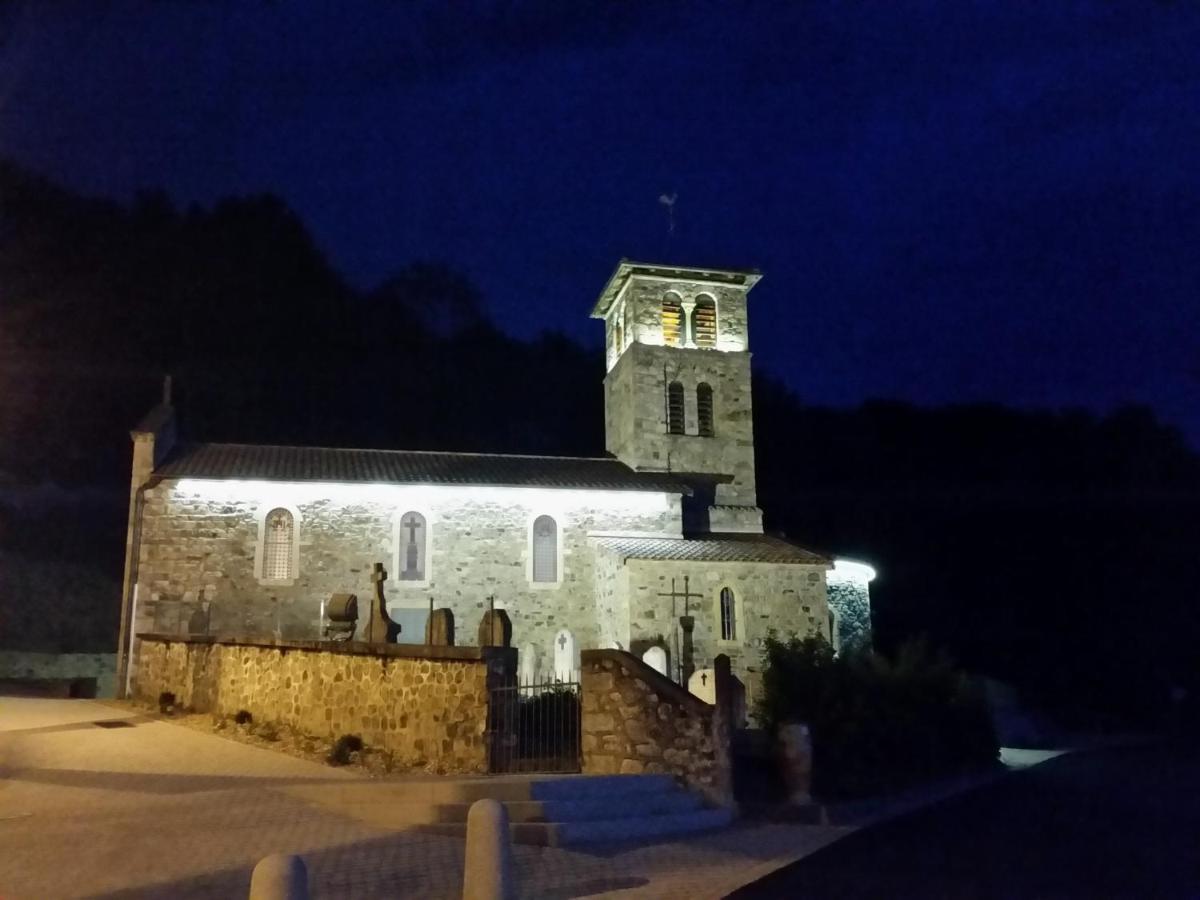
column 668, row 200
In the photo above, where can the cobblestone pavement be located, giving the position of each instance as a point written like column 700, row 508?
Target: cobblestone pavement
column 157, row 810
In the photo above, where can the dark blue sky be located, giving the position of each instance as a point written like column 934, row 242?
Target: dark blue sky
column 951, row 201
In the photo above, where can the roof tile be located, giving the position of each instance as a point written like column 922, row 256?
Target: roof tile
column 271, row 463
column 714, row 548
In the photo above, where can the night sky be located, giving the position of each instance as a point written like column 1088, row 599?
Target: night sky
column 951, row 201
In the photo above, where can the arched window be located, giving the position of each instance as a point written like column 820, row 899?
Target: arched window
column 728, row 616
column 279, row 529
column 675, row 424
column 704, row 409
column 618, row 334
column 411, row 558
column 704, row 322
column 545, row 549
column 672, row 320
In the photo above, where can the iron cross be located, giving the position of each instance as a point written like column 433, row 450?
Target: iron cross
column 686, row 594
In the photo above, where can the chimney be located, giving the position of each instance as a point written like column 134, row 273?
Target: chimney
column 153, row 437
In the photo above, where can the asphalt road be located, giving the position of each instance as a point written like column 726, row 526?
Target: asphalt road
column 1115, row 823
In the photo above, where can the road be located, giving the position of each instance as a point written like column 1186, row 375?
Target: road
column 1116, row 823
column 151, row 809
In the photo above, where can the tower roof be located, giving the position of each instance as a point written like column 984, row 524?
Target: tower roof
column 627, row 269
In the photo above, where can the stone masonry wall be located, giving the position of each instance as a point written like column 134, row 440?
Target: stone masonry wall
column 427, row 706
column 636, row 417
column 199, row 541
column 784, row 597
column 850, row 599
column 635, row 721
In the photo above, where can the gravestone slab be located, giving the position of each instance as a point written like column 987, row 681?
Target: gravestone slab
column 530, row 657
column 703, row 684
column 656, row 658
column 566, row 656
column 439, row 628
column 495, row 629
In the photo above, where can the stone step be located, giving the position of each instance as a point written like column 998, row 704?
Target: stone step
column 558, row 834
column 434, row 791
column 592, row 808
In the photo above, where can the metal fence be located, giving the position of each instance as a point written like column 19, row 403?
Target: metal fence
column 534, row 726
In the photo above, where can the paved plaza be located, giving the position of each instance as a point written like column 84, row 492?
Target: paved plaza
column 159, row 810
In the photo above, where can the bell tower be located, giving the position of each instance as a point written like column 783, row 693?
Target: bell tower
column 677, row 388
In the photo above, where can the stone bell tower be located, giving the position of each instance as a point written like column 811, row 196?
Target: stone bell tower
column 677, row 392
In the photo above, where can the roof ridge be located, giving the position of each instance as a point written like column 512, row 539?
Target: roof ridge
column 472, row 453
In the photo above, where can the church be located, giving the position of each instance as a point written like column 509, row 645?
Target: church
column 656, row 548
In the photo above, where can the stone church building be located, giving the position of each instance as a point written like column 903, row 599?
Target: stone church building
column 612, row 551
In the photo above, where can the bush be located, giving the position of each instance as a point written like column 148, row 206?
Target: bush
column 343, row 748
column 877, row 724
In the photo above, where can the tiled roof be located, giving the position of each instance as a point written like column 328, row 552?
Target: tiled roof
column 267, row 463
column 714, row 548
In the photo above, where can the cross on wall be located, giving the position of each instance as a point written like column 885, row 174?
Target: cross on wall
column 412, row 524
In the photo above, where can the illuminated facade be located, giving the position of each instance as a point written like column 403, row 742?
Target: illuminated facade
column 252, row 540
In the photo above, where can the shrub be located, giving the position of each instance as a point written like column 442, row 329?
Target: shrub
column 243, row 717
column 343, row 748
column 877, row 723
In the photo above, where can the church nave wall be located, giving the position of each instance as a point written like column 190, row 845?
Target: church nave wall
column 199, row 541
column 785, row 597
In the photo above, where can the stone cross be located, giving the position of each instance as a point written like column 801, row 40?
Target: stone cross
column 683, row 635
column 566, row 656
column 656, row 658
column 381, row 629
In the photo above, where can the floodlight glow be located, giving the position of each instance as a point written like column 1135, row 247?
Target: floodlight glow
column 377, row 494
column 850, row 570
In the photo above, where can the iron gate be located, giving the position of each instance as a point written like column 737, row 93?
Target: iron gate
column 534, row 727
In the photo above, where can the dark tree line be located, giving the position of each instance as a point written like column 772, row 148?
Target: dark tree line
column 1056, row 549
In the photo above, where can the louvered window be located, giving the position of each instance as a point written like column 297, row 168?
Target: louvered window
column 728, row 616
column 672, row 320
column 704, row 322
column 277, row 546
column 545, row 549
column 675, row 408
column 704, row 409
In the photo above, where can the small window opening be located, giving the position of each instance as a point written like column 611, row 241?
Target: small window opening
column 728, row 616
column 704, row 409
column 672, row 320
column 704, row 322
column 675, row 422
column 545, row 549
column 277, row 545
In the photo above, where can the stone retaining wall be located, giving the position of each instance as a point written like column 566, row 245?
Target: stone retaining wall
column 97, row 668
column 428, row 706
column 636, row 720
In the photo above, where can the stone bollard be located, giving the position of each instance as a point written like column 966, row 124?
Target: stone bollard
column 279, row 877
column 795, row 761
column 488, row 872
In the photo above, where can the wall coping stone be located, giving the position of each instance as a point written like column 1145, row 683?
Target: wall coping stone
column 347, row 648
column 662, row 685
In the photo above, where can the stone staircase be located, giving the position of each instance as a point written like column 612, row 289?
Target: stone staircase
column 548, row 810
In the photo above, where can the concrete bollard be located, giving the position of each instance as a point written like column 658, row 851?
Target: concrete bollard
column 279, row 877
column 488, row 872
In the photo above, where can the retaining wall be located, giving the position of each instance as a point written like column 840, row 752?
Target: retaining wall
column 427, row 706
